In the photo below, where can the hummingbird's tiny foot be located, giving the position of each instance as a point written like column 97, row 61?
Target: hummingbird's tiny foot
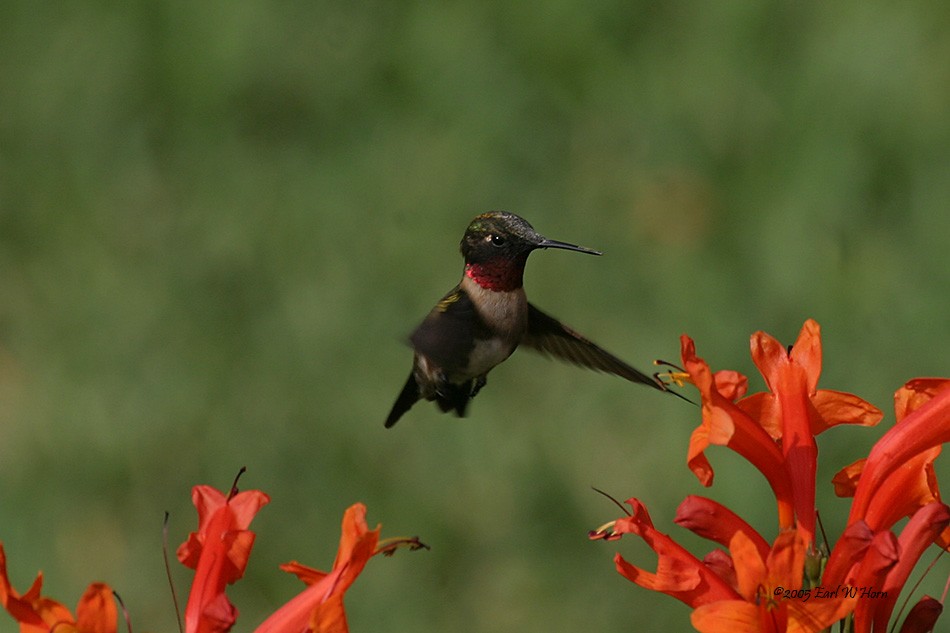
column 477, row 385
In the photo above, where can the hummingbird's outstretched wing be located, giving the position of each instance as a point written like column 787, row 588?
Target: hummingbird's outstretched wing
column 549, row 336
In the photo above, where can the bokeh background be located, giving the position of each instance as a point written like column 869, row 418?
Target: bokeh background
column 219, row 221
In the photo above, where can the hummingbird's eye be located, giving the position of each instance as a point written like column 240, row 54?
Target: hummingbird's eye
column 497, row 240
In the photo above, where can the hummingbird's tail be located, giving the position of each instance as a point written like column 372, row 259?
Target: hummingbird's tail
column 407, row 397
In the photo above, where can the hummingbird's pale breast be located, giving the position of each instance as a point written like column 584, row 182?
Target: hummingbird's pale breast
column 505, row 313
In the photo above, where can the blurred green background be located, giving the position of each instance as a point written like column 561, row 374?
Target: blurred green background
column 218, row 222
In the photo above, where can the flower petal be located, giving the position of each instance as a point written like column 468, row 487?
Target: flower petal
column 905, row 490
column 915, row 393
column 726, row 616
column 846, row 480
column 847, row 554
column 786, row 560
column 725, row 423
column 883, row 553
column 731, row 384
column 678, row 574
column 96, row 612
column 922, row 618
column 21, row 607
column 714, row 521
column 218, row 552
column 34, row 612
column 295, row 615
column 791, row 379
column 752, row 573
column 320, row 605
column 308, row 575
column 837, row 407
column 915, row 538
column 925, row 427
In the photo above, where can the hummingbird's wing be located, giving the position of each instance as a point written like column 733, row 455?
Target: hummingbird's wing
column 549, row 336
column 447, row 335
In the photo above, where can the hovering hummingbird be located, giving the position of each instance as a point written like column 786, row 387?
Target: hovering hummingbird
column 481, row 321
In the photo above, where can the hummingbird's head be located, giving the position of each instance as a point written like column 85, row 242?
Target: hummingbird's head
column 496, row 246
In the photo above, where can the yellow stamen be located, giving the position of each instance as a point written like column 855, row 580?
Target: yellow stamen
column 678, row 378
column 605, row 532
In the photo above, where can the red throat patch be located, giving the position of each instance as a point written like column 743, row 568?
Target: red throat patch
column 500, row 274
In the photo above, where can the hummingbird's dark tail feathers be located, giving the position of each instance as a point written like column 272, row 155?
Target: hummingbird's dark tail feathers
column 407, row 397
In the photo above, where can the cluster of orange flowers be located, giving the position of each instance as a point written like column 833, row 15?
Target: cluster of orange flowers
column 219, row 552
column 791, row 584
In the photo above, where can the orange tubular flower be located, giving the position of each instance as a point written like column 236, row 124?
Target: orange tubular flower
column 726, row 424
column 716, row 522
column 218, row 552
column 678, row 573
column 907, row 489
column 774, row 430
column 795, row 411
column 791, row 375
column 319, row 607
column 917, row 536
column 95, row 613
column 906, row 450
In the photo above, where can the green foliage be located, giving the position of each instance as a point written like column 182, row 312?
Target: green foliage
column 218, row 220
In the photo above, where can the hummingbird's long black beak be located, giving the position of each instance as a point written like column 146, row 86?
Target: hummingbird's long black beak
column 546, row 243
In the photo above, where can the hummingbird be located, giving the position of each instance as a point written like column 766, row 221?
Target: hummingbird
column 481, row 321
